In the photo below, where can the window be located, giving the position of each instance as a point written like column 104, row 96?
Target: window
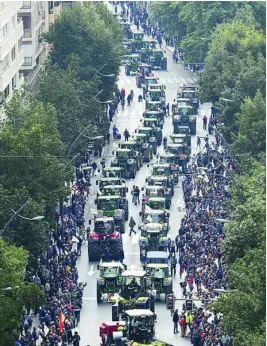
column 13, row 53
column 5, row 30
column 13, row 22
column 14, row 82
column 5, row 63
column 6, row 91
column 26, row 5
column 20, row 44
column 27, row 61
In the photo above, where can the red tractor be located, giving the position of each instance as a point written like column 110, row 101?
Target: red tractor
column 107, row 331
column 105, row 239
column 144, row 70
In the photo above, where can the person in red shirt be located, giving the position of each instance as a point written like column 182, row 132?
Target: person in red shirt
column 205, row 120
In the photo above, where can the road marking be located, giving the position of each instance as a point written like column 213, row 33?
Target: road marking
column 93, row 298
column 132, row 253
column 91, row 272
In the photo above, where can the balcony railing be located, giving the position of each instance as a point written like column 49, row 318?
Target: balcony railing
column 26, row 5
column 27, row 61
column 19, row 19
column 27, row 32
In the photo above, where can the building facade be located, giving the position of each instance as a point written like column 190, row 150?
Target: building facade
column 11, row 50
column 35, row 17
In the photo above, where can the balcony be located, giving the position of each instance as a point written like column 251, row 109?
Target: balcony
column 26, row 5
column 27, row 61
column 27, row 33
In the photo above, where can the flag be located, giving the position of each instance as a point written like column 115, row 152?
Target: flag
column 61, row 322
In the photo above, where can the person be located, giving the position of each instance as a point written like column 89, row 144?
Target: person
column 143, row 257
column 140, row 98
column 134, row 197
column 132, row 95
column 165, row 143
column 168, row 109
column 205, row 120
column 114, row 131
column 76, row 339
column 173, row 265
column 175, row 319
column 126, row 135
column 182, row 325
column 132, row 223
column 94, row 166
column 108, row 137
column 129, row 99
column 137, row 192
column 198, row 141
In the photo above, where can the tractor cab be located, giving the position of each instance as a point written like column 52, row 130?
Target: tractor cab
column 112, row 190
column 144, row 70
column 112, row 172
column 183, row 101
column 154, row 106
column 164, row 181
column 158, row 60
column 181, row 139
column 159, row 279
column 152, row 122
column 184, row 116
column 133, row 284
column 141, row 327
column 156, row 216
column 105, row 237
column 173, row 161
column 146, row 145
column 147, row 82
column 190, row 92
column 154, row 114
column 156, row 203
column 153, row 191
column 146, row 51
column 157, row 257
column 126, row 159
column 153, row 237
column 109, row 279
column 102, row 182
column 184, row 130
column 156, row 94
column 154, row 134
column 161, row 169
column 131, row 64
column 180, row 151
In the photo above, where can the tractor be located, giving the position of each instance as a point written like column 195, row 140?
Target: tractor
column 113, row 206
column 184, row 130
column 183, row 140
column 153, row 238
column 156, row 216
column 137, row 330
column 165, row 170
column 158, row 60
column 146, row 145
column 156, row 92
column 109, row 279
column 147, row 82
column 114, row 190
column 112, row 172
column 173, row 161
column 152, row 132
column 184, row 117
column 131, row 64
column 104, row 239
column 190, row 92
column 133, row 146
column 156, row 203
column 102, row 182
column 144, row 70
column 180, row 151
column 159, row 115
column 152, row 122
column 163, row 181
column 158, row 191
column 126, row 159
column 158, row 278
column 146, row 51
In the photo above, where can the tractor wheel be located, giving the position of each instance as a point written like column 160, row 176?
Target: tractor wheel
column 164, row 65
column 127, row 71
column 98, row 294
column 152, row 305
column 126, row 210
column 115, row 249
column 93, row 251
column 193, row 128
column 168, row 204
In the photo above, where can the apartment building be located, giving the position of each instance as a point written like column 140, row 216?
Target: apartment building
column 54, row 8
column 11, row 51
column 35, row 17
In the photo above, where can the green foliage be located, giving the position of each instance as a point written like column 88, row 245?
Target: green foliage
column 15, row 292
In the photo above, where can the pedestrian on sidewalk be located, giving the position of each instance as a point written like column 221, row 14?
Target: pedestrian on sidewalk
column 205, row 120
column 182, row 325
column 175, row 319
column 76, row 339
column 129, row 99
column 173, row 265
column 94, row 166
column 198, row 141
column 132, row 223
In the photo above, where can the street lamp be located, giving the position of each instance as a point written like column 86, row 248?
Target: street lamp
column 36, row 218
column 101, row 74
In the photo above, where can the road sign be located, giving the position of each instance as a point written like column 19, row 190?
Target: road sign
column 74, row 188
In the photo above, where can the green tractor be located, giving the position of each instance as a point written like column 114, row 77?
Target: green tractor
column 153, row 237
column 147, row 82
column 167, row 182
column 190, row 92
column 183, row 140
column 173, row 162
column 156, row 203
column 158, row 191
column 102, row 182
column 184, row 117
column 156, row 92
column 114, row 190
column 152, row 122
column 133, row 146
column 184, row 130
column 180, row 151
column 158, row 60
column 159, row 115
column 126, row 159
column 109, row 279
column 146, row 145
column 152, row 133
column 137, row 42
column 131, row 64
column 159, row 279
column 144, row 70
column 146, row 51
column 149, row 215
column 113, row 172
column 138, row 330
column 105, row 237
column 114, row 206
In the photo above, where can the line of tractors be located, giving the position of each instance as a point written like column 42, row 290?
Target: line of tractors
column 132, row 293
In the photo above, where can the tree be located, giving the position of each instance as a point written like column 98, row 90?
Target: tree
column 81, row 34
column 16, row 293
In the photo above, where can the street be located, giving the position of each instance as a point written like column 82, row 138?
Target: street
column 92, row 315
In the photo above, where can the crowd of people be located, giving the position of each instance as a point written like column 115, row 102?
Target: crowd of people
column 58, row 278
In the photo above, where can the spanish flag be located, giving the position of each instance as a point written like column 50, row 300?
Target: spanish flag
column 61, row 322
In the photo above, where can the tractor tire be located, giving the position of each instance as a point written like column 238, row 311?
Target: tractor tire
column 126, row 210
column 122, row 229
column 127, row 71
column 115, row 249
column 152, row 305
column 164, row 65
column 98, row 294
column 93, row 251
column 193, row 129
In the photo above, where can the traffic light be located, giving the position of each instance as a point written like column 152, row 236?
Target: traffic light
column 189, row 305
column 170, row 302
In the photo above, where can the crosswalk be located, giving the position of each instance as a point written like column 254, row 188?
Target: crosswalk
column 130, row 80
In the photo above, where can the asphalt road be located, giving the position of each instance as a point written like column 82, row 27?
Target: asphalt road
column 92, row 315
